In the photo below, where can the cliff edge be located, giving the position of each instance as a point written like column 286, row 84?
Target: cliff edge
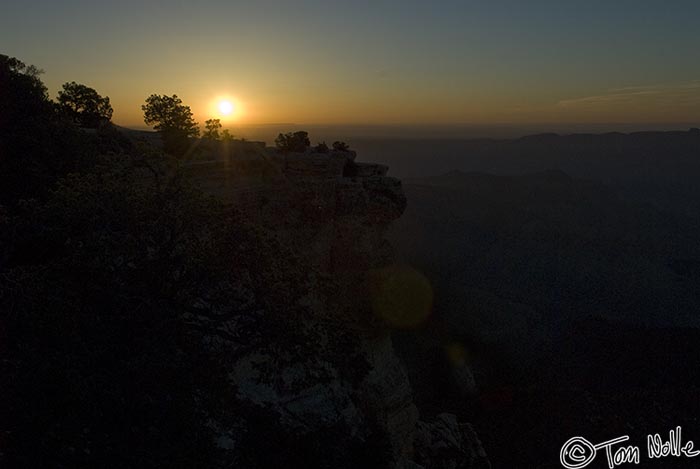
column 331, row 213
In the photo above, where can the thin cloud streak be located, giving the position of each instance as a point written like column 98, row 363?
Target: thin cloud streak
column 676, row 93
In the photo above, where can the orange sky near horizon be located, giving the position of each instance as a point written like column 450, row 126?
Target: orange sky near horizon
column 674, row 103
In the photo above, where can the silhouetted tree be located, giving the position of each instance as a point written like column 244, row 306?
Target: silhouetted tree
column 296, row 142
column 37, row 145
column 105, row 342
column 321, row 148
column 340, row 146
column 212, row 127
column 84, row 105
column 22, row 93
column 173, row 120
column 226, row 135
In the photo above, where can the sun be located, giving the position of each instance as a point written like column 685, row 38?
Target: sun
column 225, row 107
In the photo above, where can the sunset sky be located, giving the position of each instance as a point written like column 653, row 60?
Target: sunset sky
column 374, row 62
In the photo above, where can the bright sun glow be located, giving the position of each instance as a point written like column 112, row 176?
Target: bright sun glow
column 225, row 107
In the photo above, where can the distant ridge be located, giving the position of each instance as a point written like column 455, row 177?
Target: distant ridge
column 668, row 157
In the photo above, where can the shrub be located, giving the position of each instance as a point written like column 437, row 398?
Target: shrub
column 340, row 146
column 212, row 127
column 293, row 142
column 321, row 148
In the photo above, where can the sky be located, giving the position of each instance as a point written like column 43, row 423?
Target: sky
column 373, row 62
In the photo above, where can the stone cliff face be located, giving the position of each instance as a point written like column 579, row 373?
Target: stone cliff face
column 332, row 213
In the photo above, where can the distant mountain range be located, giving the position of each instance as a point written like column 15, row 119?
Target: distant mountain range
column 568, row 267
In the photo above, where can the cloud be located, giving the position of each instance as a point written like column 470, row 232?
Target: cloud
column 670, row 94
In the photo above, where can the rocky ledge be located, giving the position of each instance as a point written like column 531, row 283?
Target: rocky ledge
column 333, row 212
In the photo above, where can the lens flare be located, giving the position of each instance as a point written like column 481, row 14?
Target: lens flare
column 401, row 296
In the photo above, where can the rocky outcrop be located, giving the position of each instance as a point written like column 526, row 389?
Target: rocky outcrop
column 446, row 444
column 333, row 213
column 314, row 165
column 386, row 393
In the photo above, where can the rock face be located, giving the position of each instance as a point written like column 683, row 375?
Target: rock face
column 387, row 393
column 314, row 165
column 333, row 214
column 447, row 444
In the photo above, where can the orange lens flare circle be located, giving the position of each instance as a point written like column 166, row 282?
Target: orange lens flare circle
column 401, row 296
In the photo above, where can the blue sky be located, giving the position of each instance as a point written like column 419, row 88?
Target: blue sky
column 375, row 62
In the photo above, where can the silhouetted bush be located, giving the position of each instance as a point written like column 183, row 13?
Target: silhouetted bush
column 111, row 292
column 296, row 142
column 226, row 135
column 321, row 148
column 212, row 127
column 340, row 146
